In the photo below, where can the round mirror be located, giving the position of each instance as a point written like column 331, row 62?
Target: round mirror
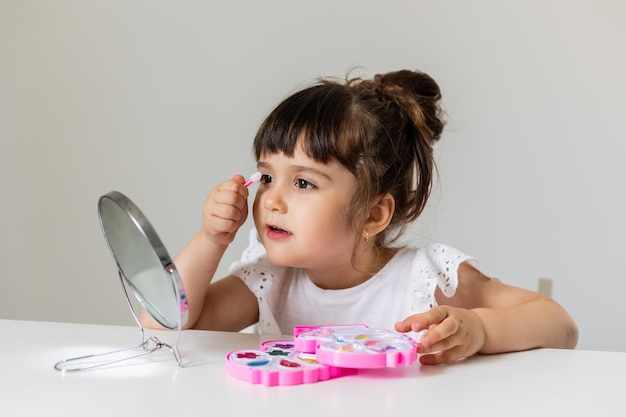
column 142, row 260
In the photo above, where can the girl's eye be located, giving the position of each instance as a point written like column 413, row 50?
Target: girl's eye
column 304, row 184
column 265, row 179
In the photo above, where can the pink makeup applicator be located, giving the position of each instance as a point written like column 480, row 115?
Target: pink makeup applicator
column 256, row 177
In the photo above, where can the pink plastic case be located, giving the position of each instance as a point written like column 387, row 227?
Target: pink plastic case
column 318, row 353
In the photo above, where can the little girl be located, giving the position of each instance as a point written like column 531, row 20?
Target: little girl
column 346, row 166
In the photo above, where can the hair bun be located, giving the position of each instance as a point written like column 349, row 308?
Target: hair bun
column 422, row 89
column 419, row 84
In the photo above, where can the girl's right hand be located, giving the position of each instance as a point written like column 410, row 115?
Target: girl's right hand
column 225, row 210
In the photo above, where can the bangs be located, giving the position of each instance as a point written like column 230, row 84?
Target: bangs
column 313, row 119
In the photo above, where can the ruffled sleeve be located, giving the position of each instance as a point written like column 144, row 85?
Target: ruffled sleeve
column 435, row 265
column 445, row 261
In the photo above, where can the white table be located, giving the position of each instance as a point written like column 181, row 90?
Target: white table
column 543, row 382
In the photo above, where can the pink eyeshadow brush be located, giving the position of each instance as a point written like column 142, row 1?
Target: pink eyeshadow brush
column 256, row 177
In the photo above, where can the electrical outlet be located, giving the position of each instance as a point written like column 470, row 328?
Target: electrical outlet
column 545, row 286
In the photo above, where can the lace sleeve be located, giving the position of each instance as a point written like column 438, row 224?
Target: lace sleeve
column 435, row 265
column 445, row 261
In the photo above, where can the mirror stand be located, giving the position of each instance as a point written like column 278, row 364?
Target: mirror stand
column 146, row 346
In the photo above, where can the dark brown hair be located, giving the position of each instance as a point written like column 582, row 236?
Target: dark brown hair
column 381, row 130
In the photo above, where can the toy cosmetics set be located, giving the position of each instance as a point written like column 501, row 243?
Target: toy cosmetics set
column 319, row 353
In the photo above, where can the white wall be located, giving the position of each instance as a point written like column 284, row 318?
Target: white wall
column 160, row 100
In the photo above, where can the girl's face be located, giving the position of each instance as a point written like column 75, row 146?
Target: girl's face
column 300, row 212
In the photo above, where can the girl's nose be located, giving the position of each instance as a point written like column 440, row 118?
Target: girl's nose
column 273, row 200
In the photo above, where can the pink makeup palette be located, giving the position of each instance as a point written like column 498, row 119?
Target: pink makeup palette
column 319, row 353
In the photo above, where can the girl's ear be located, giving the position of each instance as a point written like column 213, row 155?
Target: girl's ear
column 380, row 216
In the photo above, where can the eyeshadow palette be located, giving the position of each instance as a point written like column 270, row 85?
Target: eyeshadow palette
column 319, row 353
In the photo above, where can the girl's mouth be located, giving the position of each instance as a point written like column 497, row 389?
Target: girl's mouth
column 275, row 232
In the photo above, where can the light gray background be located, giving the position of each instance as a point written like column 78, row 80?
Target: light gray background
column 160, row 100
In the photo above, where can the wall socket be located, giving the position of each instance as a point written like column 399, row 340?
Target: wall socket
column 545, row 286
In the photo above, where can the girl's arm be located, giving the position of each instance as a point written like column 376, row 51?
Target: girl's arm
column 224, row 304
column 228, row 306
column 487, row 316
column 514, row 318
column 212, row 305
column 196, row 265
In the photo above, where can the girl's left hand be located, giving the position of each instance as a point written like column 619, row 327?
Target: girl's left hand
column 451, row 333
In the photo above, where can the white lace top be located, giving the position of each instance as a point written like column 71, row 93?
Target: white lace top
column 405, row 286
